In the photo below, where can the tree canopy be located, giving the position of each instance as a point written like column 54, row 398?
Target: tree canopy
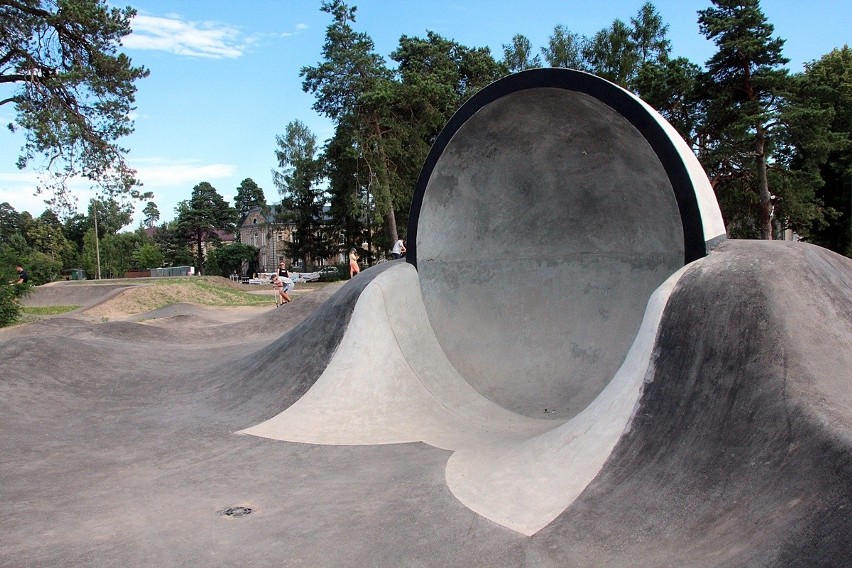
column 203, row 217
column 302, row 199
column 72, row 90
column 249, row 195
column 744, row 82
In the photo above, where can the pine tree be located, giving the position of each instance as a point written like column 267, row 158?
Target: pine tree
column 744, row 83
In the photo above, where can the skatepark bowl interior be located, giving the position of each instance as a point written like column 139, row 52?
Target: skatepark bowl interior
column 543, row 222
column 573, row 367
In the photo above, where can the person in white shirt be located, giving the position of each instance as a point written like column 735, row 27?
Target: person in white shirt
column 398, row 250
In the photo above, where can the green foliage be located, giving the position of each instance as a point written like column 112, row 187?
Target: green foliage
column 10, row 294
column 175, row 249
column 42, row 268
column 229, row 259
column 564, row 49
column 112, row 215
column 744, row 84
column 9, row 307
column 672, row 87
column 648, row 35
column 824, row 92
column 611, row 54
column 47, row 310
column 382, row 138
column 10, row 222
column 303, row 200
column 518, row 55
column 351, row 84
column 203, row 217
column 249, row 195
column 116, row 254
column 151, row 214
column 616, row 53
column 75, row 91
column 148, row 255
column 47, row 237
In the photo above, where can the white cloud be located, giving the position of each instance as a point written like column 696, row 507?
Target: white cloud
column 299, row 29
column 171, row 181
column 194, row 39
column 19, row 190
column 162, row 172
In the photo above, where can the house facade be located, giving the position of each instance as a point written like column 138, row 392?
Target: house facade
column 259, row 229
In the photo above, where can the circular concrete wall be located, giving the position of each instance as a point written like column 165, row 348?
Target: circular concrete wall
column 545, row 216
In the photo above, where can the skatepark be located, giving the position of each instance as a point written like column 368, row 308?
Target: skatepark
column 573, row 367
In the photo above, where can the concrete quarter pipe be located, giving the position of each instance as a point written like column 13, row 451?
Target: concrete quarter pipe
column 600, row 375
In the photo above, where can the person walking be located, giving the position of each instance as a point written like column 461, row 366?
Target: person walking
column 353, row 264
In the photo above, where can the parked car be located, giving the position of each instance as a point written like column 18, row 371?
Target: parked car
column 328, row 270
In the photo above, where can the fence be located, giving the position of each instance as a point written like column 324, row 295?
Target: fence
column 172, row 271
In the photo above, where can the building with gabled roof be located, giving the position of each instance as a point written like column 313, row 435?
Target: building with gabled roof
column 258, row 228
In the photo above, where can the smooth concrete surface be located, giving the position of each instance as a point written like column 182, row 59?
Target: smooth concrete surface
column 389, row 382
column 548, row 210
column 537, row 253
column 120, row 441
column 649, row 395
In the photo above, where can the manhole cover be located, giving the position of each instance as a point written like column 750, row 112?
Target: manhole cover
column 236, row 512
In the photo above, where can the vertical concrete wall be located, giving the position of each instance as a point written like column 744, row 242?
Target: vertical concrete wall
column 543, row 220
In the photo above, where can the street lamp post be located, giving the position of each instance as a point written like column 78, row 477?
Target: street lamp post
column 97, row 239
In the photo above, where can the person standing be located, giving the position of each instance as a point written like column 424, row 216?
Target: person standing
column 284, row 276
column 353, row 264
column 398, row 250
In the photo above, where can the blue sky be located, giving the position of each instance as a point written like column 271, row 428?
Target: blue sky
column 225, row 75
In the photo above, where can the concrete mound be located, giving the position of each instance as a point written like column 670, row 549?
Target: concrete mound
column 567, row 184
column 574, row 368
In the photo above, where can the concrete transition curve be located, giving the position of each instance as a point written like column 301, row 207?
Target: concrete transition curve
column 574, row 326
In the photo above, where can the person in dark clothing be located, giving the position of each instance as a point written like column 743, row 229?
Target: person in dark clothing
column 23, row 277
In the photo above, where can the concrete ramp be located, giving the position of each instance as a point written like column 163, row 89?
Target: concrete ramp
column 574, row 368
column 551, row 208
column 390, row 382
column 562, row 326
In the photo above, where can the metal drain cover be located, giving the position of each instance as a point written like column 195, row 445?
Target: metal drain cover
column 236, row 512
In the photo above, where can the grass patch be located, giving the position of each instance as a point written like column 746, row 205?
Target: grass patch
column 159, row 293
column 47, row 310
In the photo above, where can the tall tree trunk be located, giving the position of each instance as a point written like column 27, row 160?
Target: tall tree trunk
column 384, row 172
column 390, row 223
column 763, row 182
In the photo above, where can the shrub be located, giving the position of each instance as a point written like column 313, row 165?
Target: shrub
column 9, row 308
column 42, row 268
